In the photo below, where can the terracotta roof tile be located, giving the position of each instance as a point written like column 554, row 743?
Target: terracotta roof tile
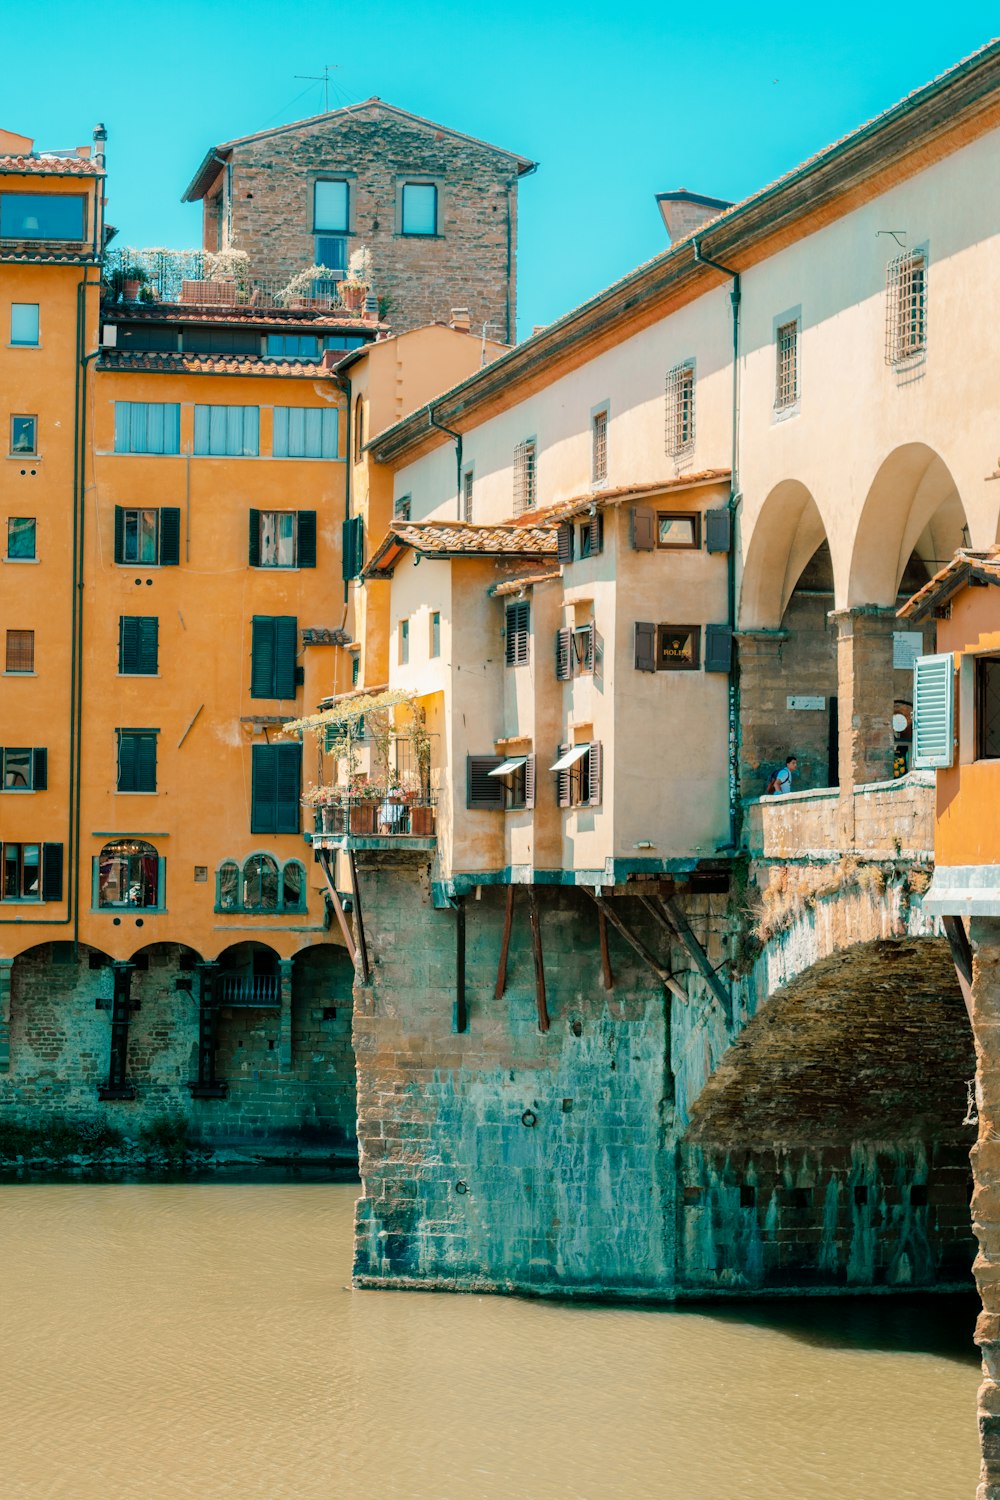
column 580, row 504
column 51, row 166
column 964, row 566
column 26, row 252
column 154, row 362
column 445, row 539
column 515, row 584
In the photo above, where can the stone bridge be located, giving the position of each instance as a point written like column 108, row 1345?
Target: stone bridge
column 637, row 1140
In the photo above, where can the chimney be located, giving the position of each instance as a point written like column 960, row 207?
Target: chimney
column 369, row 313
column 684, row 212
column 461, row 319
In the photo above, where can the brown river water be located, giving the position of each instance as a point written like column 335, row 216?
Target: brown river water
column 168, row 1340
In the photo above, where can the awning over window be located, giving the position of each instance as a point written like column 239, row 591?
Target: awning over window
column 570, row 758
column 506, row 767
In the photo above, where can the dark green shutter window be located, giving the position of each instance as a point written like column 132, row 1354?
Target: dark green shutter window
column 286, row 639
column 138, row 645
column 137, row 760
column 517, row 622
column 39, row 771
column 52, row 872
column 170, row 537
column 564, row 646
column 276, row 775
column 718, row 648
column 353, row 547
column 719, row 529
column 273, row 650
column 119, row 533
column 643, row 529
column 253, row 554
column 306, row 557
column 595, row 770
column 564, row 541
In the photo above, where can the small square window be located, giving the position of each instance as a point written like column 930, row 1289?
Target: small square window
column 17, row 769
column 20, row 651
column 404, row 642
column 678, row 528
column 525, row 473
column 786, row 375
column 24, row 323
column 678, row 648
column 141, row 536
column 467, row 496
column 331, row 252
column 19, row 880
column 20, row 538
column 680, row 410
column 436, row 632
column 419, row 208
column 24, row 435
column 403, row 509
column 906, row 307
column 988, row 708
column 278, row 536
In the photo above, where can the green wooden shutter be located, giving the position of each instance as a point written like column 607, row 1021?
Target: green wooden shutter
column 718, row 530
column 353, row 544
column 145, row 763
column 148, row 644
column 253, row 551
column 718, row 648
column 933, row 711
column 562, row 779
column 39, row 770
column 119, row 533
column 286, row 640
column 170, row 537
column 288, row 787
column 262, row 657
column 128, row 643
column 264, row 789
column 126, row 762
column 595, row 777
column 306, row 553
column 52, row 872
column 564, row 541
column 645, row 647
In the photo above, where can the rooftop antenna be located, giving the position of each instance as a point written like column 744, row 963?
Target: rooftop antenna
column 324, row 79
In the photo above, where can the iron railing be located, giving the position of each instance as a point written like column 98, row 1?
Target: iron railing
column 253, row 990
column 191, row 277
column 366, row 817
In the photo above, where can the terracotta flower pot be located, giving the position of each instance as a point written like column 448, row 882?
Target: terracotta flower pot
column 364, row 817
column 422, row 822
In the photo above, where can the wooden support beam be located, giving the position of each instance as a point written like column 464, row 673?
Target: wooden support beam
column 536, row 948
column 461, row 1019
column 662, row 974
column 961, row 956
column 338, row 908
column 508, row 921
column 675, row 915
column 602, row 932
column 359, row 920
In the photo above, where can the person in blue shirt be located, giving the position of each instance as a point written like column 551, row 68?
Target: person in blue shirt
column 783, row 778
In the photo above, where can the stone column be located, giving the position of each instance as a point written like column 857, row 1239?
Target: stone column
column 6, row 970
column 985, row 936
column 865, row 693
column 763, row 691
column 285, row 1024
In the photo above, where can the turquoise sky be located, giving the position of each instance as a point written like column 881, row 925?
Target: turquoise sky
column 616, row 103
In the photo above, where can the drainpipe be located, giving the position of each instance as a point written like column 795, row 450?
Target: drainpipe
column 735, row 496
column 458, row 457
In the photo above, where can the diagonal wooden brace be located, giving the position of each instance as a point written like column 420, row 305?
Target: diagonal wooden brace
column 664, row 975
column 674, row 915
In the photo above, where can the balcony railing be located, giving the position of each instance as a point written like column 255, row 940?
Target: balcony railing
column 366, row 818
column 261, row 991
column 192, row 278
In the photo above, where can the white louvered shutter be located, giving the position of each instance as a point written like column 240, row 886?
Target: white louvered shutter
column 933, row 711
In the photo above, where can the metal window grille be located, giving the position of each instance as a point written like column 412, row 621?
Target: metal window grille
column 20, row 651
column 679, row 433
column 524, row 478
column 600, row 455
column 905, row 307
column 404, row 506
column 786, row 385
column 467, row 495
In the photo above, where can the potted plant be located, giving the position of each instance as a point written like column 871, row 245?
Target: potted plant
column 422, row 813
column 366, row 795
column 358, row 280
column 327, row 802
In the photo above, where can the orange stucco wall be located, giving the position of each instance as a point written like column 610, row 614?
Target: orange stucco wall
column 968, row 793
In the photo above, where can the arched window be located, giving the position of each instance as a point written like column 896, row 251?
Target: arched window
column 128, row 874
column 229, row 886
column 260, row 883
column 293, row 883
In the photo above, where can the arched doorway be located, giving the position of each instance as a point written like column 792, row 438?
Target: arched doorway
column 788, row 659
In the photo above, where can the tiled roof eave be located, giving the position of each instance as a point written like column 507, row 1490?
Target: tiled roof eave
column 153, row 363
column 964, row 567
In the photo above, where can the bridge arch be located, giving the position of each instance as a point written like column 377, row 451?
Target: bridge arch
column 912, row 509
column 787, row 534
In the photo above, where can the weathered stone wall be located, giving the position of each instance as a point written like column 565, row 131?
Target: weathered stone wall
column 985, row 1001
column 470, row 263
column 502, row 1157
column 60, row 1025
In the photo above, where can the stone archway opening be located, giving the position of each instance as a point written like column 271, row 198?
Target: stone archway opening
column 830, row 1148
column 788, row 656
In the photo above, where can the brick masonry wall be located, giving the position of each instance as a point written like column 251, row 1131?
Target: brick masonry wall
column 60, row 1043
column 503, row 1158
column 470, row 263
